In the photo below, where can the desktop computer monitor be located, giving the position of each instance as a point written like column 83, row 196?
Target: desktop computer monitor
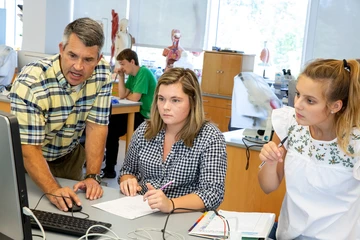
column 13, row 223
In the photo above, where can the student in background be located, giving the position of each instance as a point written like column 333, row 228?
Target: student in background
column 139, row 86
column 53, row 100
column 320, row 160
column 176, row 144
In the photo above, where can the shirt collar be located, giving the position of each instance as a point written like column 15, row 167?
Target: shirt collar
column 160, row 137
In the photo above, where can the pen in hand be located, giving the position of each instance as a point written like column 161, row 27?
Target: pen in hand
column 280, row 145
column 167, row 184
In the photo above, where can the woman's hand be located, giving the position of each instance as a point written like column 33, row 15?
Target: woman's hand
column 157, row 199
column 271, row 153
column 130, row 187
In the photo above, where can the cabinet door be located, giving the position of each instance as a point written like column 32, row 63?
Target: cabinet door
column 230, row 67
column 210, row 74
column 242, row 189
column 220, row 117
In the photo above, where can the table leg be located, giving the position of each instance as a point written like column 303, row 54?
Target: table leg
column 130, row 129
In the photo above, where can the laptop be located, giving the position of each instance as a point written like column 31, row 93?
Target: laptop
column 13, row 223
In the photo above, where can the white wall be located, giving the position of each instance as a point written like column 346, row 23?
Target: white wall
column 44, row 22
column 332, row 30
column 101, row 11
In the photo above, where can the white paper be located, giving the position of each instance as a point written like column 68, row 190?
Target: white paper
column 127, row 207
column 126, row 101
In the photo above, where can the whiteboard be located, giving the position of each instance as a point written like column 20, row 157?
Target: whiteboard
column 332, row 30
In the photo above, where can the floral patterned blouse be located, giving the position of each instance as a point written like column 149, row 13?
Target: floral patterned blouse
column 322, row 183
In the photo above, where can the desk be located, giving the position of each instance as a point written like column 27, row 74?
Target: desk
column 178, row 222
column 242, row 189
column 129, row 108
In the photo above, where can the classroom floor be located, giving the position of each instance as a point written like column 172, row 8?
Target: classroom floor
column 112, row 182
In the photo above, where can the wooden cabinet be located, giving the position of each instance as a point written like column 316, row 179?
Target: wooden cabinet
column 217, row 111
column 217, row 83
column 220, row 68
column 242, row 188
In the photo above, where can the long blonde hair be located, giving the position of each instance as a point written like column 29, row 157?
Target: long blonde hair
column 195, row 119
column 343, row 83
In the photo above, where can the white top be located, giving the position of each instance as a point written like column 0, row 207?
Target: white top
column 322, row 199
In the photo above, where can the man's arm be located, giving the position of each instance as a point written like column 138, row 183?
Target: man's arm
column 124, row 92
column 95, row 146
column 38, row 169
column 94, row 152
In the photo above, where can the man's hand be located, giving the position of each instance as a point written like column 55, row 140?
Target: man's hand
column 60, row 195
column 92, row 187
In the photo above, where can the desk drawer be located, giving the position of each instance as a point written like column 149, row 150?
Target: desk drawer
column 217, row 102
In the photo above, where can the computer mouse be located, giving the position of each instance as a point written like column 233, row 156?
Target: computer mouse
column 75, row 207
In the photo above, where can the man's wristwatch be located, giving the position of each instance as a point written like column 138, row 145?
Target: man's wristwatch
column 96, row 177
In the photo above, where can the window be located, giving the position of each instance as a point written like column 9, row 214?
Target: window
column 151, row 22
column 13, row 22
column 247, row 24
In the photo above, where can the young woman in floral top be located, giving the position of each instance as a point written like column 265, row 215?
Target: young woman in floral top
column 320, row 159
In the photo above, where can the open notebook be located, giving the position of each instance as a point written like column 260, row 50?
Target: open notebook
column 249, row 224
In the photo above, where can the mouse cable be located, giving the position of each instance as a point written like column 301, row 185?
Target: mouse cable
column 72, row 213
column 28, row 212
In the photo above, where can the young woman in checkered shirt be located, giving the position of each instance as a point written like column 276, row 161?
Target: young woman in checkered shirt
column 178, row 145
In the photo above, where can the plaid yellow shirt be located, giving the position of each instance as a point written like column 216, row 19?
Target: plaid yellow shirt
column 51, row 112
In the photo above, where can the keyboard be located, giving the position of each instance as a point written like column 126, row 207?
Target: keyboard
column 66, row 224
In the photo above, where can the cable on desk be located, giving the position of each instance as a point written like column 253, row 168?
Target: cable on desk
column 88, row 234
column 226, row 224
column 248, row 149
column 147, row 230
column 172, row 211
column 37, row 235
column 72, row 213
column 27, row 211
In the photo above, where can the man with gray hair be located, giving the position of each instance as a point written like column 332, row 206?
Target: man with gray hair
column 54, row 99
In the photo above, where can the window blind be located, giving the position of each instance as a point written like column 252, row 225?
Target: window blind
column 151, row 22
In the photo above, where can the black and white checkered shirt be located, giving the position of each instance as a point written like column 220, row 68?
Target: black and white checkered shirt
column 200, row 169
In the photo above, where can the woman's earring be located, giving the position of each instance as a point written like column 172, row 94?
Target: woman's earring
column 332, row 112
